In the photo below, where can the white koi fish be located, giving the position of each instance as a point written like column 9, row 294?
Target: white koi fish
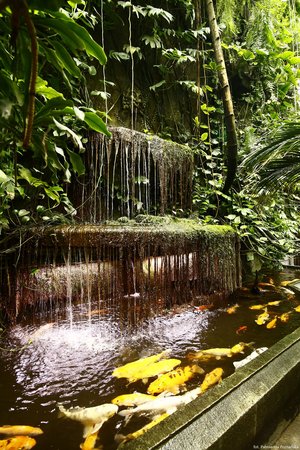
column 92, row 418
column 163, row 404
column 258, row 351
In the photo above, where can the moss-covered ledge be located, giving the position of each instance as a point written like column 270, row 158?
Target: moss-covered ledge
column 235, row 413
column 160, row 230
column 154, row 256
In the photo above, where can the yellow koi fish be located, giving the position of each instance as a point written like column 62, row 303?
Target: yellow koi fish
column 122, row 439
column 275, row 303
column 262, row 318
column 284, row 317
column 152, row 370
column 297, row 309
column 20, row 430
column 212, row 353
column 240, row 347
column 212, row 378
column 287, row 282
column 92, row 418
column 89, row 442
column 219, row 353
column 272, row 323
column 128, row 369
column 17, row 443
column 232, row 309
column 257, row 307
column 171, row 381
column 134, row 399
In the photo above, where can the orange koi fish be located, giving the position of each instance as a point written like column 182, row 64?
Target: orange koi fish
column 202, row 308
column 241, row 329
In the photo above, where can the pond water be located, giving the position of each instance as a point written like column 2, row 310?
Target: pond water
column 68, row 356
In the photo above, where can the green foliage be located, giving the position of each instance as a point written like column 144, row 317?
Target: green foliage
column 33, row 176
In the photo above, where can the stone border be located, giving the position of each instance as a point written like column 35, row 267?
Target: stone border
column 234, row 414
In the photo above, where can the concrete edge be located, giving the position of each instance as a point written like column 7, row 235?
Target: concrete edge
column 233, row 414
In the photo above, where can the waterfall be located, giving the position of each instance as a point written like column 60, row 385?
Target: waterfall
column 132, row 173
column 131, row 270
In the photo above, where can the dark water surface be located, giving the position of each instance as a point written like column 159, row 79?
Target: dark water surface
column 71, row 360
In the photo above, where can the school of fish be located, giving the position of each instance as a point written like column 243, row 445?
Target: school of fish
column 163, row 395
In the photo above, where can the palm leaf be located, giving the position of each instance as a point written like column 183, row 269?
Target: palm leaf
column 278, row 162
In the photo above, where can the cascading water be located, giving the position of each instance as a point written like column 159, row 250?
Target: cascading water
column 132, row 173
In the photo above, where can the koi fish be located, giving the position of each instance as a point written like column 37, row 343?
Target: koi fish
column 17, row 443
column 120, row 438
column 202, row 308
column 262, row 318
column 284, row 317
column 297, row 309
column 232, row 309
column 92, row 418
column 272, row 323
column 128, row 369
column 257, row 306
column 240, row 347
column 134, row 399
column 212, row 378
column 241, row 329
column 89, row 442
column 275, row 303
column 254, row 354
column 152, row 370
column 20, row 430
column 171, row 381
column 219, row 353
column 287, row 282
column 162, row 404
column 214, row 353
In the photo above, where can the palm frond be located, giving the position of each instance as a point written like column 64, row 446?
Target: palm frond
column 278, row 162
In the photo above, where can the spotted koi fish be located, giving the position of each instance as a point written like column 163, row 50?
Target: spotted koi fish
column 171, row 381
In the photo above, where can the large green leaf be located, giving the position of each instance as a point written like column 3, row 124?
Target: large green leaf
column 62, row 28
column 56, row 103
column 42, row 88
column 96, row 123
column 91, row 46
column 66, row 60
column 76, row 162
column 75, row 36
column 74, row 136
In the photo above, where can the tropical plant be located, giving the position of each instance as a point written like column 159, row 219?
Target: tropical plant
column 276, row 164
column 43, row 47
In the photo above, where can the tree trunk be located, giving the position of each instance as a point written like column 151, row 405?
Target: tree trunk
column 232, row 144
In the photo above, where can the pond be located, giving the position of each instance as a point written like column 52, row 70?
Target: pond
column 67, row 356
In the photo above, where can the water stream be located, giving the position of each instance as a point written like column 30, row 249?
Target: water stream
column 74, row 350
